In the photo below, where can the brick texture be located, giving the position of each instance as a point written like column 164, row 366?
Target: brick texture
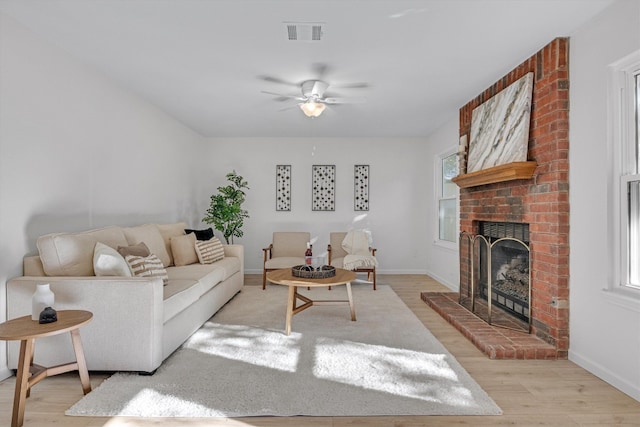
column 543, row 201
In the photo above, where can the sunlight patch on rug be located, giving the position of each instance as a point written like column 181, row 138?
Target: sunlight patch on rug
column 174, row 405
column 241, row 342
column 400, row 372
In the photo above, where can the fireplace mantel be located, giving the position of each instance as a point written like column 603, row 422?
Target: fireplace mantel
column 507, row 172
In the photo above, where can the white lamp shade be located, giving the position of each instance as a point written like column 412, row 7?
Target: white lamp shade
column 312, row 109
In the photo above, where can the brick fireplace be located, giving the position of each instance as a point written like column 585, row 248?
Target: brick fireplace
column 542, row 202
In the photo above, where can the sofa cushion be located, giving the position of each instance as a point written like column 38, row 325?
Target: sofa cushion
column 208, row 275
column 230, row 266
column 206, row 234
column 178, row 295
column 32, row 266
column 183, row 249
column 71, row 254
column 209, row 251
column 167, row 231
column 108, row 262
column 149, row 266
column 150, row 235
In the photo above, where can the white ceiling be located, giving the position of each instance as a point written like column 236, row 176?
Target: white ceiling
column 206, row 62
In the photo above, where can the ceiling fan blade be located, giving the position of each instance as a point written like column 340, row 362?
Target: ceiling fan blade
column 355, row 85
column 281, row 97
column 278, row 80
column 344, row 100
column 289, row 108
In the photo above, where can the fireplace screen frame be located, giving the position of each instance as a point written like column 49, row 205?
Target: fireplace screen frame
column 472, row 263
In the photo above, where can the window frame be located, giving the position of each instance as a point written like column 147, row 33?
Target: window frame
column 625, row 168
column 438, row 182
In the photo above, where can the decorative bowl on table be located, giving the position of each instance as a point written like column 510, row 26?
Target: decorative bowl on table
column 309, row 272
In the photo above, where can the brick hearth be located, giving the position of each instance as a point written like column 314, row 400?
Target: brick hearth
column 495, row 342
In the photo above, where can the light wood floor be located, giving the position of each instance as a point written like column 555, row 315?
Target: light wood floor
column 549, row 393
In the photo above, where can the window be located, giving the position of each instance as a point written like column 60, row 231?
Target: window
column 631, row 186
column 626, row 138
column 447, row 194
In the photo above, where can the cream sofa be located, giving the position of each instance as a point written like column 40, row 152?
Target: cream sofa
column 137, row 321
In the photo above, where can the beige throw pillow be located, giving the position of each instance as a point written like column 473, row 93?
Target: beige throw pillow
column 209, row 251
column 149, row 266
column 184, row 249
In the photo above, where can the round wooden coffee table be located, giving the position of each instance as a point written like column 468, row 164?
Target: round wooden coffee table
column 29, row 374
column 284, row 277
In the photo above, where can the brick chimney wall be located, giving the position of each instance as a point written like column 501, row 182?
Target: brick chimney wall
column 543, row 201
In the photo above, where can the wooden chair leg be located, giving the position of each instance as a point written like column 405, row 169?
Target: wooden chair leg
column 264, row 279
column 374, row 280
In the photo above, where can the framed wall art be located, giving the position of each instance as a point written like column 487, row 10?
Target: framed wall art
column 323, row 186
column 283, row 187
column 361, row 188
column 500, row 127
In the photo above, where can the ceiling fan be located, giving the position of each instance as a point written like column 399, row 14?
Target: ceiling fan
column 313, row 98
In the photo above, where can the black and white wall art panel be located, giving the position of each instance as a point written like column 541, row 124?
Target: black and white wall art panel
column 323, row 185
column 361, row 188
column 283, row 187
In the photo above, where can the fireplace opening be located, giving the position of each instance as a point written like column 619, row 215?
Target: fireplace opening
column 497, row 271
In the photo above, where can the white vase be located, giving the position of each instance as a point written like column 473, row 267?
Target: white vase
column 41, row 299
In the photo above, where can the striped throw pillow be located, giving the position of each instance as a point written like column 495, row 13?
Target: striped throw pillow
column 209, row 251
column 149, row 266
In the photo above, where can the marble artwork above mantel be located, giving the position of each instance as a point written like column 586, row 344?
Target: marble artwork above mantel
column 500, row 127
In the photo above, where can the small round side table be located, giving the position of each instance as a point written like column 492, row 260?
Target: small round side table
column 29, row 374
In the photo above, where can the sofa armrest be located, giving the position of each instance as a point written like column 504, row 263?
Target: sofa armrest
column 236, row 251
column 127, row 319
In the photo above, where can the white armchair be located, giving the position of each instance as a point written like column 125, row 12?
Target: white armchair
column 286, row 250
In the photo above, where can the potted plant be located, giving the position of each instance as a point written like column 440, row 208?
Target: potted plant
column 225, row 211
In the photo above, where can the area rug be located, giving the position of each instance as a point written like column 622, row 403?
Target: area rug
column 240, row 363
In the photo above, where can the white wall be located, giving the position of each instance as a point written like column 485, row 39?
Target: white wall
column 76, row 152
column 442, row 263
column 400, row 196
column 605, row 330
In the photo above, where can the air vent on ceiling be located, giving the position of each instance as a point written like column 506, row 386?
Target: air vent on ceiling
column 305, row 31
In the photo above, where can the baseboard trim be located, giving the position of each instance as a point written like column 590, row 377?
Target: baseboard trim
column 5, row 373
column 605, row 374
column 252, row 271
column 455, row 287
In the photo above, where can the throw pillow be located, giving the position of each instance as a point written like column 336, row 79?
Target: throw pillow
column 201, row 234
column 149, row 266
column 209, row 251
column 139, row 249
column 184, row 249
column 108, row 262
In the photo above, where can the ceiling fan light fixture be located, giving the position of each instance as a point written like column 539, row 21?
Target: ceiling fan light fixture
column 312, row 109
